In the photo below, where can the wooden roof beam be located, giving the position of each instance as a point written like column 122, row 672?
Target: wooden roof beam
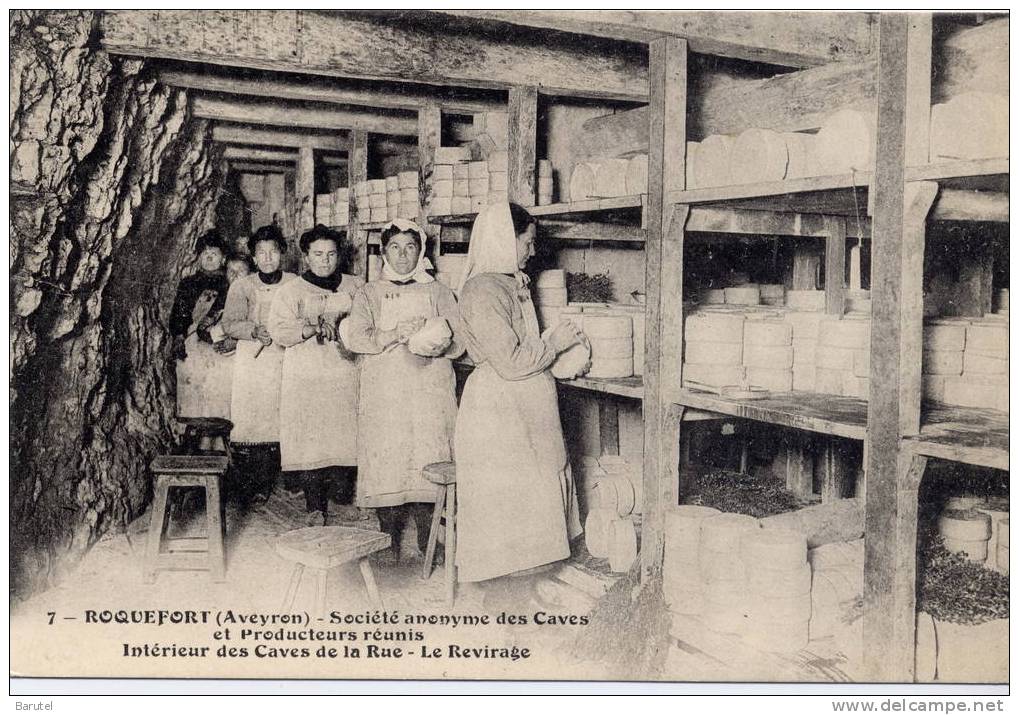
column 260, row 136
column 230, row 110
column 790, row 39
column 238, row 153
column 314, row 89
column 422, row 48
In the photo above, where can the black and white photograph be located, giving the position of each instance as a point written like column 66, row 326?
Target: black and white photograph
column 641, row 347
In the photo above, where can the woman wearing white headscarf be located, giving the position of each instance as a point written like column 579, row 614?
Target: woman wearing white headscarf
column 407, row 406
column 516, row 499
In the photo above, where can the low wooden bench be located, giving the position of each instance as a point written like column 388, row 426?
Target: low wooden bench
column 321, row 549
column 187, row 553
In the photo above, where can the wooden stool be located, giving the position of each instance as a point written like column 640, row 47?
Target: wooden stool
column 323, row 548
column 443, row 476
column 215, row 429
column 187, row 553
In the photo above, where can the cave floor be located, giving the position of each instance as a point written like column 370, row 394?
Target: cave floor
column 109, row 578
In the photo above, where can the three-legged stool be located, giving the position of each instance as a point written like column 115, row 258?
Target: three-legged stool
column 321, row 549
column 187, row 553
column 443, row 476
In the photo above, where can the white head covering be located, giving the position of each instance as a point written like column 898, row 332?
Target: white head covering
column 420, row 272
column 493, row 246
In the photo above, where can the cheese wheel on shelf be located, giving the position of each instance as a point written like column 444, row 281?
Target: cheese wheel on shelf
column 775, row 549
column 442, row 172
column 845, row 143
column 498, row 161
column 767, row 333
column 600, row 327
column 596, row 531
column 477, row 170
column 637, row 175
column 964, row 525
column 477, row 187
column 714, row 327
column 615, row 492
column 610, row 178
column 975, row 550
column 723, row 533
column 377, row 186
column 392, row 183
column 408, row 180
column 611, row 348
column 713, row 296
column 717, row 567
column 622, row 545
column 442, row 189
column 572, row 362
column 683, row 528
column 544, row 168
column 611, row 368
column 788, row 582
column 583, row 180
column 713, row 160
column 461, row 172
column 743, row 295
column 460, row 205
column 461, row 187
column 451, row 154
column 700, row 353
column 800, row 148
column 758, row 155
column 973, row 125
column 554, row 278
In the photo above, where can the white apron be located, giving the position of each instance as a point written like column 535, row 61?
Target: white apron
column 318, row 397
column 517, row 503
column 407, row 411
column 255, row 403
column 204, row 381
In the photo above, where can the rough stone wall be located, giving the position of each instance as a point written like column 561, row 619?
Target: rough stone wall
column 113, row 182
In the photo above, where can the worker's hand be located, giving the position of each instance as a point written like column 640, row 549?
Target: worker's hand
column 225, row 347
column 261, row 334
column 564, row 336
column 407, row 328
column 327, row 331
column 205, row 300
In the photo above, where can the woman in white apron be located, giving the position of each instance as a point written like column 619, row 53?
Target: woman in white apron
column 204, row 355
column 517, row 505
column 258, row 364
column 318, row 384
column 407, row 407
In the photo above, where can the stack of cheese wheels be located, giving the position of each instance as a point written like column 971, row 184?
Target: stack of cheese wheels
column 410, row 198
column 622, row 545
column 1002, row 548
column 768, row 354
column 550, row 288
column 749, row 294
column 713, row 296
column 572, row 362
column 964, row 501
column 636, row 175
column 586, row 473
column 682, row 584
column 377, row 200
column 637, row 315
column 621, row 488
column 545, row 183
column 997, row 509
column 836, row 583
column 845, row 143
column 965, row 532
column 611, row 338
column 758, row 155
column 597, row 531
column 973, row 125
column 711, row 167
column 713, row 354
column 392, row 197
column 778, row 584
column 583, row 181
column 722, row 571
column 800, row 148
column 449, row 269
column 772, row 294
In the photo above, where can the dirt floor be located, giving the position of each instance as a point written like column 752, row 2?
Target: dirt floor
column 109, row 579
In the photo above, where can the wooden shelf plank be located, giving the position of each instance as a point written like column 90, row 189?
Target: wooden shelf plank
column 562, row 209
column 631, row 387
column 826, row 414
column 958, row 169
column 810, row 184
column 960, row 434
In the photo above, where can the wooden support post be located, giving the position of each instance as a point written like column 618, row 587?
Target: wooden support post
column 976, row 290
column 806, row 266
column 835, row 265
column 358, row 171
column 798, row 464
column 523, row 144
column 856, row 265
column 889, row 621
column 608, row 426
column 893, row 476
column 304, row 191
column 666, row 226
column 837, row 473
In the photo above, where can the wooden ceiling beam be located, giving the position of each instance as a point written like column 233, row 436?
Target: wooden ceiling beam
column 261, row 136
column 240, row 153
column 790, row 39
column 275, row 114
column 314, row 89
column 421, row 48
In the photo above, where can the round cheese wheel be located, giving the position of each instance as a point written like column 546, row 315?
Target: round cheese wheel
column 611, row 348
column 926, row 659
column 774, row 549
column 963, row 502
column 377, row 186
column 777, row 637
column 622, row 546
column 611, row 367
column 554, row 278
column 970, row 550
column 783, row 584
column 601, row 327
column 845, row 143
column 721, row 567
column 964, row 525
column 616, row 493
column 713, row 296
column 544, row 168
column 610, row 177
column 683, row 527
column 637, row 175
column 758, row 155
column 712, row 164
column 973, row 125
column 571, row 362
column 743, row 295
column 582, row 182
column 800, row 148
column 392, row 183
column 596, row 531
column 552, row 297
column 724, row 532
